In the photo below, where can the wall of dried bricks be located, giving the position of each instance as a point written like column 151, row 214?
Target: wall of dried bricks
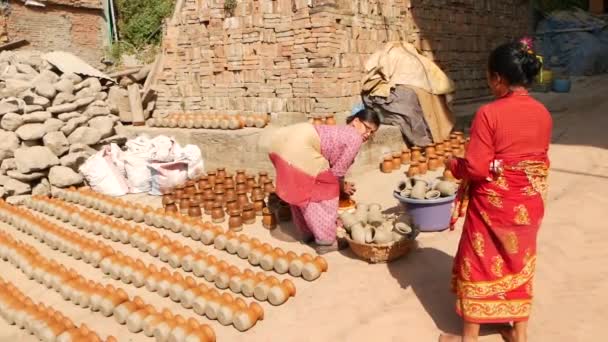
column 294, row 58
column 78, row 30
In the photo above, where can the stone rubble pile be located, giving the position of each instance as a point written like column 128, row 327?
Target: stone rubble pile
column 50, row 123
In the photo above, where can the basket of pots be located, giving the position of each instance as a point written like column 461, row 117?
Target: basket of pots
column 374, row 236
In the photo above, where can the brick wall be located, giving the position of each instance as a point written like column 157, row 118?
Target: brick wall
column 295, row 58
column 78, row 30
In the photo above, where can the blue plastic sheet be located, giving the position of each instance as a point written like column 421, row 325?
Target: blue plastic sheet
column 581, row 51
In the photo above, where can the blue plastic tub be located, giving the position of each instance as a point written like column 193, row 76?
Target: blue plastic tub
column 428, row 215
column 561, row 85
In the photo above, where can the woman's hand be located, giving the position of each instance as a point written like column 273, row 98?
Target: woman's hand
column 447, row 163
column 349, row 188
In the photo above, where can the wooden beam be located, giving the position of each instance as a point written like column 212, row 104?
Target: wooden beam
column 136, row 106
column 125, row 72
column 14, row 44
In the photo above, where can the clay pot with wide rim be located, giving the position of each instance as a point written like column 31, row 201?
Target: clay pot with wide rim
column 396, row 160
column 230, row 193
column 221, row 172
column 248, row 214
column 250, row 183
column 235, row 222
column 241, row 176
column 423, row 165
column 416, row 154
column 219, row 196
column 330, row 120
column 257, row 192
column 268, row 186
column 269, row 221
column 387, row 164
column 211, row 177
column 263, row 176
column 429, row 150
column 242, row 198
column 217, row 213
column 405, row 155
column 195, row 211
column 433, row 163
column 220, row 184
column 414, row 169
column 241, row 186
column 259, row 205
column 232, row 205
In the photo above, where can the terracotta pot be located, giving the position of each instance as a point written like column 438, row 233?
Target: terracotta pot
column 268, row 187
column 317, row 120
column 433, row 163
column 190, row 187
column 179, row 192
column 257, row 191
column 198, row 198
column 219, row 196
column 439, row 147
column 230, row 193
column 242, row 198
column 217, row 213
column 460, row 137
column 262, row 177
column 330, row 120
column 241, row 176
column 241, row 186
column 259, row 205
column 396, row 160
column 250, row 183
column 208, row 191
column 232, row 205
column 235, row 222
column 195, row 211
column 184, row 205
column 416, row 154
column 387, row 164
column 269, row 221
column 405, row 156
column 429, row 150
column 448, row 152
column 414, row 169
column 440, row 158
column 208, row 205
column 171, row 208
column 248, row 214
column 167, row 199
column 423, row 165
column 219, row 184
column 221, row 172
column 211, row 177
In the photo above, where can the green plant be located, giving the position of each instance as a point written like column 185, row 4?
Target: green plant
column 548, row 6
column 230, row 6
column 139, row 21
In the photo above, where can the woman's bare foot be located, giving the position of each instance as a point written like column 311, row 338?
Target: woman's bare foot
column 508, row 334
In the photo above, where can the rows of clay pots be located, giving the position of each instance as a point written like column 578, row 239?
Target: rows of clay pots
column 242, row 197
column 210, row 121
column 46, row 323
column 172, row 252
column 320, row 119
column 107, row 300
column 209, row 302
column 430, row 158
column 305, row 265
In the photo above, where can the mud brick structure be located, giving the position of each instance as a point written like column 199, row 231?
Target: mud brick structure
column 295, row 58
column 76, row 26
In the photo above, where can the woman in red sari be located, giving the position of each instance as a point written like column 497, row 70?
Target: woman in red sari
column 503, row 194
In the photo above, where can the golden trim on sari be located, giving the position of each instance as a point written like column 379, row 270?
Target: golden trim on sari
column 478, row 244
column 482, row 289
column 522, row 217
column 490, row 309
column 510, row 242
column 465, row 270
column 497, row 266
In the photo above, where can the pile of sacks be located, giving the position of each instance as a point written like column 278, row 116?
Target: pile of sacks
column 146, row 166
column 50, row 123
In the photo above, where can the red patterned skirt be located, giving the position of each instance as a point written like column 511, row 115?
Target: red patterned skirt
column 495, row 263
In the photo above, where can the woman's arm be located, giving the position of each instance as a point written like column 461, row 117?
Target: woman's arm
column 480, row 151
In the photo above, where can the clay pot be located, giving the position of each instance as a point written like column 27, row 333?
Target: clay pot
column 235, row 223
column 184, row 205
column 203, row 181
column 414, row 169
column 419, row 190
column 433, row 163
column 241, row 186
column 429, row 150
column 217, row 213
column 446, row 188
column 219, row 196
column 242, row 198
column 263, row 176
column 171, row 208
column 259, row 205
column 396, row 160
column 248, row 214
column 268, row 187
column 195, row 211
column 440, row 158
column 422, row 165
column 405, row 155
column 416, row 154
column 220, row 184
column 230, row 194
column 211, row 177
column 330, row 120
column 232, row 205
column 269, row 221
column 221, row 172
column 257, row 192
column 250, row 183
column 313, row 269
column 317, row 120
column 241, row 176
column 387, row 164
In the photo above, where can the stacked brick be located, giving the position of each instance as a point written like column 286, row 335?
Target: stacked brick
column 298, row 58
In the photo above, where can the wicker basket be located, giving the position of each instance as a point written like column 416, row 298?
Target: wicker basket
column 375, row 254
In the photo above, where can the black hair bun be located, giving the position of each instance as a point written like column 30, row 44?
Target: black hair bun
column 515, row 63
column 530, row 65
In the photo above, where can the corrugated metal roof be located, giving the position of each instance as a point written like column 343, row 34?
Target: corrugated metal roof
column 67, row 62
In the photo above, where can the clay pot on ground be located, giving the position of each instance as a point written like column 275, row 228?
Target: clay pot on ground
column 171, row 208
column 268, row 219
column 268, row 187
column 330, row 120
column 217, row 213
column 195, row 211
column 248, row 214
column 241, row 186
column 416, row 154
column 232, row 205
column 257, row 192
column 433, row 163
column 241, row 176
column 387, row 164
column 422, row 165
column 317, row 120
column 429, row 150
column 414, row 169
column 221, row 172
column 396, row 160
column 263, row 176
column 211, row 177
column 405, row 155
column 184, row 205
column 242, row 198
column 235, row 222
column 251, row 183
column 259, row 205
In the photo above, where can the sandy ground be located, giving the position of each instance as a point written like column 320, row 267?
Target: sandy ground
column 409, row 300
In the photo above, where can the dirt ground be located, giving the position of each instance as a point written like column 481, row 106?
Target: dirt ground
column 409, row 300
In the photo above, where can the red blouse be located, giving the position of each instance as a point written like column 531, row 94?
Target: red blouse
column 512, row 127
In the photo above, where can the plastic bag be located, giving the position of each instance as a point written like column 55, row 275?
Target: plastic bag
column 165, row 176
column 102, row 175
column 139, row 176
